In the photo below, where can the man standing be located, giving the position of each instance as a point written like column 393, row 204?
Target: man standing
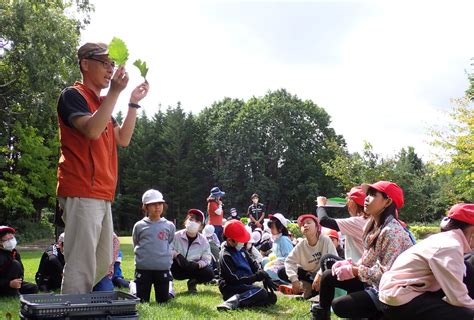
column 87, row 171
column 256, row 213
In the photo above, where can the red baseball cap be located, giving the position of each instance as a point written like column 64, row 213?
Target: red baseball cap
column 331, row 233
column 462, row 212
column 198, row 213
column 391, row 189
column 6, row 229
column 235, row 230
column 358, row 195
column 305, row 216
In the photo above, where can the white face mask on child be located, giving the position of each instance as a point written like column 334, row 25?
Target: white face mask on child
column 275, row 237
column 192, row 227
column 239, row 246
column 10, row 244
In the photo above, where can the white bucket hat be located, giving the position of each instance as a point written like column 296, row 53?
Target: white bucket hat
column 208, row 230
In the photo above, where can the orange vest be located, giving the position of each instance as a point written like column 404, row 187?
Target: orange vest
column 87, row 168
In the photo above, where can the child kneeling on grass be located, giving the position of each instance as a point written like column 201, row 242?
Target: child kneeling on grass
column 152, row 237
column 238, row 272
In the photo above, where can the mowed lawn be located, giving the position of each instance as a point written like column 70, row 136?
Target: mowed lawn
column 183, row 306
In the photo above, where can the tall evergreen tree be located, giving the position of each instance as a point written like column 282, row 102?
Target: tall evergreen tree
column 38, row 60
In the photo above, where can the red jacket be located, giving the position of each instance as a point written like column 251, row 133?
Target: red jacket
column 214, row 218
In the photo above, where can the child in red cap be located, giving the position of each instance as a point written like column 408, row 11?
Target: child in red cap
column 384, row 240
column 352, row 227
column 432, row 280
column 238, row 272
column 11, row 267
column 302, row 266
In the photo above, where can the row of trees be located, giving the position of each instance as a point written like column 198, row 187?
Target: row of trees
column 277, row 145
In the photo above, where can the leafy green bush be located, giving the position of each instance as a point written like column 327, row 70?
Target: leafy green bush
column 28, row 231
column 244, row 220
column 295, row 230
column 421, row 232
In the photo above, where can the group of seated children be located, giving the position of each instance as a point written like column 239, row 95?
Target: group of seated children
column 381, row 270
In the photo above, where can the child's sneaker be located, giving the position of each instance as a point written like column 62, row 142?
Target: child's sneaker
column 133, row 288
column 286, row 289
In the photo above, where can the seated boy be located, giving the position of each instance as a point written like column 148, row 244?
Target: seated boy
column 11, row 268
column 50, row 270
column 238, row 272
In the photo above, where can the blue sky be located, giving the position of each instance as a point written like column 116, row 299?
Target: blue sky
column 384, row 70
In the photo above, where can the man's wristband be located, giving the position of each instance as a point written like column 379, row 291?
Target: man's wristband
column 134, row 105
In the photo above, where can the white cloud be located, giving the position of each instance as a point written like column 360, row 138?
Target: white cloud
column 394, row 70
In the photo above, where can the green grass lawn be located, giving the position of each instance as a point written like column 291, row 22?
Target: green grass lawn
column 183, row 306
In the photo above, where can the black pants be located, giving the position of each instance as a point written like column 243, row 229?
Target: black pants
column 357, row 304
column 329, row 283
column 469, row 278
column 249, row 295
column 428, row 306
column 218, row 230
column 303, row 275
column 160, row 279
column 50, row 278
column 202, row 275
column 16, row 272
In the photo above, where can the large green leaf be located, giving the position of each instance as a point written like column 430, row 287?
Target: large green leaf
column 118, row 51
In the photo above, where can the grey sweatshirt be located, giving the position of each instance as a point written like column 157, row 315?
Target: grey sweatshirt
column 152, row 244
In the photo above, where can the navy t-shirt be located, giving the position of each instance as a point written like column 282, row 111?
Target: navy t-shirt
column 72, row 104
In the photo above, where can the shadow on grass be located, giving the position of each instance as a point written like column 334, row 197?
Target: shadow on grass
column 206, row 292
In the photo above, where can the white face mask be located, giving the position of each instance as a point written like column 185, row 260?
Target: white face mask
column 233, row 214
column 192, row 226
column 255, row 200
column 276, row 236
column 239, row 246
column 9, row 244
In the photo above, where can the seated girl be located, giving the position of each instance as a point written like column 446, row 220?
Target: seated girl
column 303, row 263
column 191, row 253
column 433, row 280
column 384, row 240
column 281, row 247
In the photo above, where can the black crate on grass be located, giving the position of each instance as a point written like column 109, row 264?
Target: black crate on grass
column 95, row 305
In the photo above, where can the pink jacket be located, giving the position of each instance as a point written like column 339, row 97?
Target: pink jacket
column 434, row 263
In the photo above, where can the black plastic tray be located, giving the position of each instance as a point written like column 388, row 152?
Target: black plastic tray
column 105, row 304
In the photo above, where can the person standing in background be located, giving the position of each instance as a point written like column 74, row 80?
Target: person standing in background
column 215, row 210
column 256, row 213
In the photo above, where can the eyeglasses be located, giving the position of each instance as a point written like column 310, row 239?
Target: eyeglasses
column 105, row 64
